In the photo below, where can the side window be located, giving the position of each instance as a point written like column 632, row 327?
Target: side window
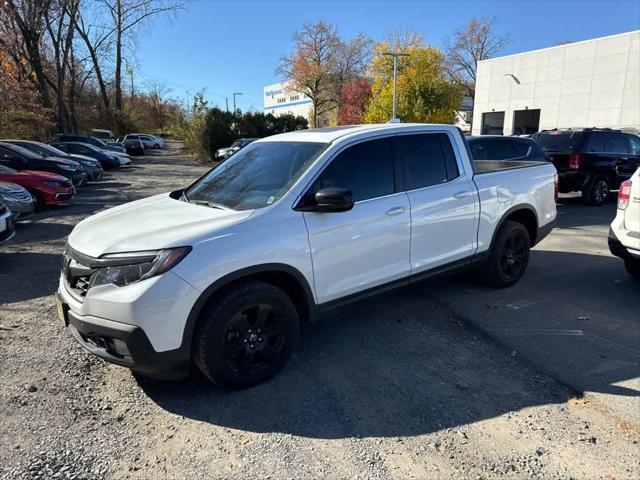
column 595, row 142
column 366, row 169
column 428, row 159
column 634, row 141
column 617, row 143
column 522, row 148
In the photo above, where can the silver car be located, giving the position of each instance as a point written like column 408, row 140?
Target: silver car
column 17, row 199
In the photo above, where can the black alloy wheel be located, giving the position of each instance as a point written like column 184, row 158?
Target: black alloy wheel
column 509, row 255
column 514, row 256
column 246, row 334
column 254, row 337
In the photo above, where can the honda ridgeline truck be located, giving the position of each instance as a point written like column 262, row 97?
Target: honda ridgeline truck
column 222, row 274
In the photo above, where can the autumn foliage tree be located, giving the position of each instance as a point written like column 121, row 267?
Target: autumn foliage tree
column 321, row 63
column 425, row 94
column 355, row 97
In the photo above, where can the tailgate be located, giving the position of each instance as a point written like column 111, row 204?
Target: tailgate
column 560, row 160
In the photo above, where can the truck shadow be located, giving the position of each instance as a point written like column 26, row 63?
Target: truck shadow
column 399, row 365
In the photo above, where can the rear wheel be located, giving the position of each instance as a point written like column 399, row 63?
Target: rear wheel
column 509, row 256
column 596, row 191
column 633, row 267
column 246, row 336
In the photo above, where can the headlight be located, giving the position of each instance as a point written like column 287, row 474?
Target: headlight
column 54, row 184
column 69, row 168
column 138, row 267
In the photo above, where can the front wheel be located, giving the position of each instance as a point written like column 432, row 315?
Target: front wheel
column 246, row 335
column 509, row 257
column 633, row 267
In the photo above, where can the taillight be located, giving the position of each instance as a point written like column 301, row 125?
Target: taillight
column 575, row 159
column 624, row 194
column 556, row 186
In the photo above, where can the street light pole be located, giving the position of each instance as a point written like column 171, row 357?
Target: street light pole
column 395, row 77
column 234, row 100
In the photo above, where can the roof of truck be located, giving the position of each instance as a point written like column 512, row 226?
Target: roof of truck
column 330, row 134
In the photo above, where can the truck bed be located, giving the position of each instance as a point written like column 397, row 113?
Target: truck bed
column 488, row 166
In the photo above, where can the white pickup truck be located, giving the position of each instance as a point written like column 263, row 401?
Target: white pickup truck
column 223, row 273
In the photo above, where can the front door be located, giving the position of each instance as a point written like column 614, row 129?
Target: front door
column 368, row 245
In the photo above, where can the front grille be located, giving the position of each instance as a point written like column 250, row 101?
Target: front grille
column 21, row 195
column 77, row 277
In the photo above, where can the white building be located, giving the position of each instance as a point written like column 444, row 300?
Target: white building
column 593, row 83
column 280, row 99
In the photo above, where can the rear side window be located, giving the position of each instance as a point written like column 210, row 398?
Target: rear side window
column 557, row 141
column 428, row 159
column 503, row 150
column 595, row 142
column 366, row 169
column 617, row 143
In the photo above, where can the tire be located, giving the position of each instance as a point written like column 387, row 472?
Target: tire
column 156, row 146
column 633, row 267
column 246, row 336
column 39, row 201
column 509, row 256
column 596, row 191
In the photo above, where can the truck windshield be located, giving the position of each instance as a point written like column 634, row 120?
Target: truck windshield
column 256, row 176
column 557, row 141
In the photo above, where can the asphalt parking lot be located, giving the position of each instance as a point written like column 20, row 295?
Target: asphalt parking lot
column 446, row 379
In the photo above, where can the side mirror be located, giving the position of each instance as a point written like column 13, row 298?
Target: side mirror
column 329, row 200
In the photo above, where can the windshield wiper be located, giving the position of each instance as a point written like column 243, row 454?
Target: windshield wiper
column 207, row 203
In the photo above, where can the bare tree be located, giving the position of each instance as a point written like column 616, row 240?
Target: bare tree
column 27, row 17
column 157, row 94
column 97, row 41
column 60, row 25
column 476, row 41
column 126, row 16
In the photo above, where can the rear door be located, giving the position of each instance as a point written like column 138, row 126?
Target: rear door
column 634, row 153
column 618, row 149
column 444, row 201
column 368, row 245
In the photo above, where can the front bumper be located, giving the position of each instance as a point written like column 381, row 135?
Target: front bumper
column 141, row 326
column 8, row 231
column 126, row 345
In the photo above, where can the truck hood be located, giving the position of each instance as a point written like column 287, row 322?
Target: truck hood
column 150, row 224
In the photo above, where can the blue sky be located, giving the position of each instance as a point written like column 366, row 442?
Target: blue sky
column 226, row 46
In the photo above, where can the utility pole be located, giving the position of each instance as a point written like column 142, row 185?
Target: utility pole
column 226, row 100
column 395, row 77
column 234, row 100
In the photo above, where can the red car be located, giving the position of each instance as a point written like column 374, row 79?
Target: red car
column 47, row 188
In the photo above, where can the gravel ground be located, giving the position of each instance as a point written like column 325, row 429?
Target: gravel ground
column 395, row 387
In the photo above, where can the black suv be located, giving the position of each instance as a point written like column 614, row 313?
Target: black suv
column 592, row 161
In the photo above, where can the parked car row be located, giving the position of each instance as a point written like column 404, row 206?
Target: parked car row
column 36, row 175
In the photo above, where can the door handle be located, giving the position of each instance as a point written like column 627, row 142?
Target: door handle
column 395, row 211
column 463, row 194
